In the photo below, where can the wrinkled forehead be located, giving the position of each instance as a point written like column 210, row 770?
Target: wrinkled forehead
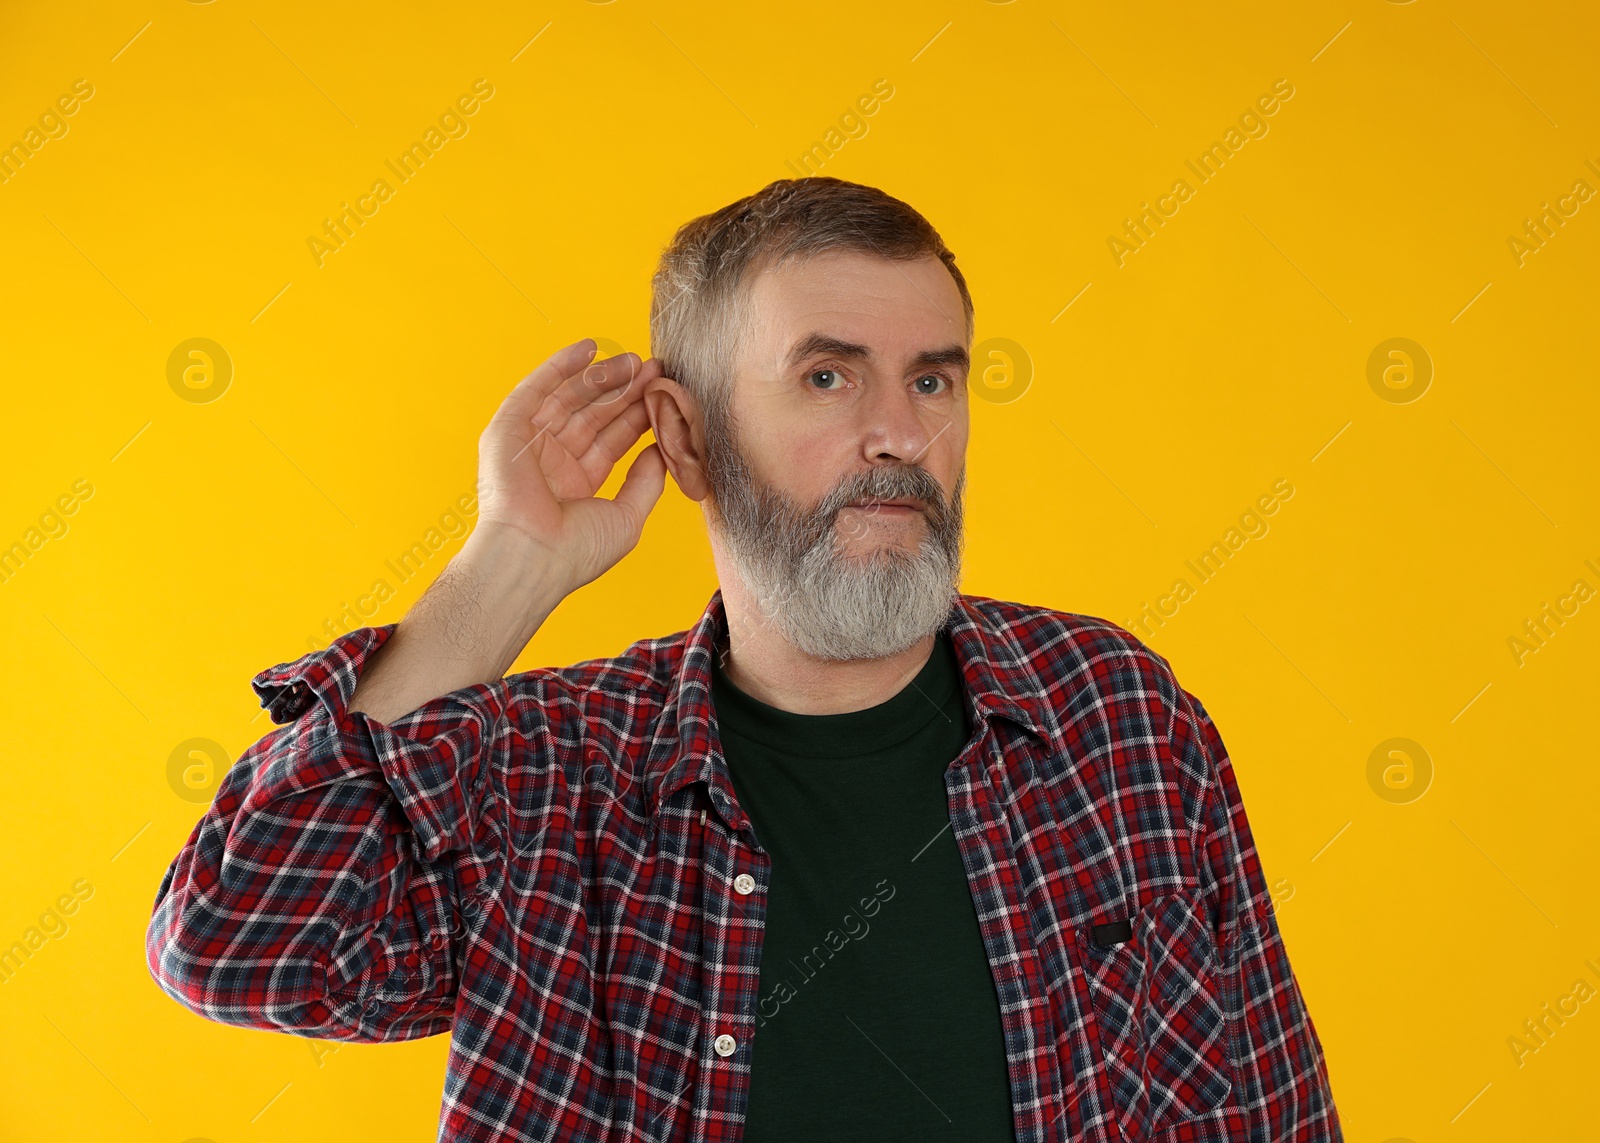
column 897, row 310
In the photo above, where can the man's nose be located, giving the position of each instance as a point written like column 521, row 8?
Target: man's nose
column 893, row 425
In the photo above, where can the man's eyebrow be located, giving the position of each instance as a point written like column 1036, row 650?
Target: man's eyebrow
column 815, row 344
column 949, row 355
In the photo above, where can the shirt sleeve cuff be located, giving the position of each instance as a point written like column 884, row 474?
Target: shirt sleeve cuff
column 328, row 676
column 434, row 759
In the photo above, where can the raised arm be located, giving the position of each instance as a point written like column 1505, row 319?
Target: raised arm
column 331, row 886
column 541, row 534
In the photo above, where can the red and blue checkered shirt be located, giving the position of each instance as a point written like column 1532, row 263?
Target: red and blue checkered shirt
column 554, row 869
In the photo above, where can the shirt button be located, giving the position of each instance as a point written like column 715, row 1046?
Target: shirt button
column 744, row 883
column 725, row 1045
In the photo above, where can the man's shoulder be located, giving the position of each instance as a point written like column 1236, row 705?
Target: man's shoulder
column 1043, row 649
column 1050, row 630
column 1070, row 649
column 642, row 675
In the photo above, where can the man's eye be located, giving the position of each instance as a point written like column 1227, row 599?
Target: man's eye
column 831, row 375
column 938, row 381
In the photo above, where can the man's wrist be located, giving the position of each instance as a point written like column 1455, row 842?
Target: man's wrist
column 497, row 592
column 468, row 627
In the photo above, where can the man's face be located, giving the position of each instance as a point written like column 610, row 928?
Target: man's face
column 850, row 394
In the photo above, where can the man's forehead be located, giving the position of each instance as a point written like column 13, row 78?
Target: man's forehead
column 849, row 281
column 888, row 351
column 853, row 305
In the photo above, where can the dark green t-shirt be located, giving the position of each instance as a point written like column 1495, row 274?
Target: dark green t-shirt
column 877, row 1015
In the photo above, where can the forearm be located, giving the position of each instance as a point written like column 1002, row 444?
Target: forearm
column 468, row 627
column 308, row 900
column 321, row 891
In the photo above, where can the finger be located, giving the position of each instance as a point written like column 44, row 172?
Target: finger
column 642, row 487
column 594, row 400
column 585, row 405
column 529, row 393
column 591, row 387
column 578, row 434
column 613, row 442
column 604, row 383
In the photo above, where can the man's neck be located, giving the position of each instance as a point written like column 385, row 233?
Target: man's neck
column 766, row 666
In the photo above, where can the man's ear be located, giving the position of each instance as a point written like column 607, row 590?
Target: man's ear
column 676, row 420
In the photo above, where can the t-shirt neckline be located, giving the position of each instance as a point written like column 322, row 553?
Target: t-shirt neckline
column 850, row 733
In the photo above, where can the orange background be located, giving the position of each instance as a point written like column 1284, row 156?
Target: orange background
column 1136, row 403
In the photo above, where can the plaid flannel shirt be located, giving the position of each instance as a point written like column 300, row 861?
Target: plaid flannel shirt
column 553, row 868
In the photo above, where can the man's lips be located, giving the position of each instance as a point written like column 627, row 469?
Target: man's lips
column 904, row 504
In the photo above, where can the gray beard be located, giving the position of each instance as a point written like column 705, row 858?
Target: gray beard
column 791, row 559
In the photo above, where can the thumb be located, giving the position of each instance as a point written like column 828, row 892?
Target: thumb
column 642, row 487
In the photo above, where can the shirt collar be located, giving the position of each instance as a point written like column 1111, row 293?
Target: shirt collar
column 997, row 673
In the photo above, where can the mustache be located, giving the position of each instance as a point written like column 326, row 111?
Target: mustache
column 892, row 483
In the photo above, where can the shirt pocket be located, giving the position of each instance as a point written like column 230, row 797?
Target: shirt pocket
column 1155, row 1001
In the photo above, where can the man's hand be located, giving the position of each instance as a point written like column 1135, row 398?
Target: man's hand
column 553, row 443
column 541, row 534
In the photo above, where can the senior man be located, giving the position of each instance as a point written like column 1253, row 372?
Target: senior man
column 856, row 856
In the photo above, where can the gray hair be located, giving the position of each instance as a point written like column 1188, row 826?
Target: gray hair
column 697, row 311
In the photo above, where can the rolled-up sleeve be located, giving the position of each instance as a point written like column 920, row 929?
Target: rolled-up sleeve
column 329, row 888
column 1277, row 1054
